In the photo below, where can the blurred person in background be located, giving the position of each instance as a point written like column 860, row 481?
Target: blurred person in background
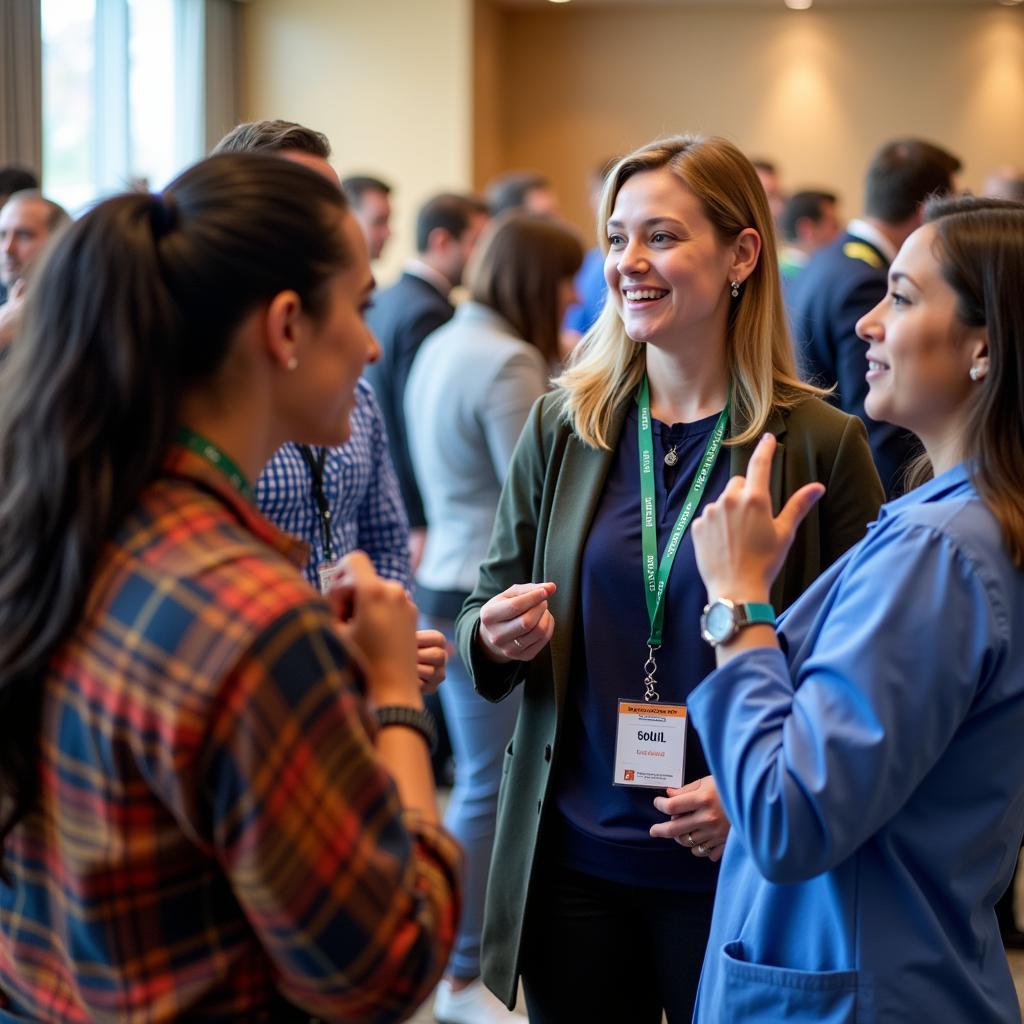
column 590, row 284
column 809, row 220
column 771, row 179
column 28, row 221
column 402, row 315
column 522, row 190
column 845, row 279
column 469, row 394
column 14, row 179
column 1005, row 183
column 371, row 203
column 337, row 498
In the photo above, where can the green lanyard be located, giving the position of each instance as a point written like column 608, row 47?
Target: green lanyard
column 217, row 458
column 656, row 575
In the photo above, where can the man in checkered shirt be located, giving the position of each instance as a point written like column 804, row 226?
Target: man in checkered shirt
column 343, row 498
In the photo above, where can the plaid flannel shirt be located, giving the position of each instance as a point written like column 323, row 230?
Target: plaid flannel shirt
column 361, row 490
column 214, row 837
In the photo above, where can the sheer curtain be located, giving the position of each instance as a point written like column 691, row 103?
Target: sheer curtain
column 221, row 67
column 206, row 74
column 21, row 84
column 133, row 90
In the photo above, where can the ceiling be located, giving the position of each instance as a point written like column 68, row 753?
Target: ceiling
column 743, row 3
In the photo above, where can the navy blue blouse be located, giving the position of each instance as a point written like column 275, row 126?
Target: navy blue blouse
column 599, row 828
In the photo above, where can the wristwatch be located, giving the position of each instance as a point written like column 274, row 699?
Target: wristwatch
column 418, row 719
column 723, row 619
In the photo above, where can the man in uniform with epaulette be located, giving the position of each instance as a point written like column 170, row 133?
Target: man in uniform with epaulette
column 846, row 279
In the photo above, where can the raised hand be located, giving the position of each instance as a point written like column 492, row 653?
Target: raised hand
column 739, row 545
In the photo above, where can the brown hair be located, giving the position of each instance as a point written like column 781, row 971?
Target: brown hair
column 517, row 269
column 979, row 244
column 903, row 174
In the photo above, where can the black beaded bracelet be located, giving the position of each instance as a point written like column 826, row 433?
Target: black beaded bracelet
column 412, row 718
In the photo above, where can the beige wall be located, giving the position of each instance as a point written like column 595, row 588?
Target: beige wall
column 389, row 81
column 816, row 90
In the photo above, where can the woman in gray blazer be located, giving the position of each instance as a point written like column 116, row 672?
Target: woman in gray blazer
column 469, row 392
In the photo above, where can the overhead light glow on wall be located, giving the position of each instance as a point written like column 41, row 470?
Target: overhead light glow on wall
column 799, row 5
column 1010, row 3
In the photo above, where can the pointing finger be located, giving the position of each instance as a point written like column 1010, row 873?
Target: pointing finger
column 759, row 469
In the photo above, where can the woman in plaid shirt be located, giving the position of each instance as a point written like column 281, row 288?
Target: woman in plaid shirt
column 201, row 816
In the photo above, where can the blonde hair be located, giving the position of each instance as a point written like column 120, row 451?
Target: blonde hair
column 606, row 367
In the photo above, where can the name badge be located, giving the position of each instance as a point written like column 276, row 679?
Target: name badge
column 650, row 744
column 327, row 571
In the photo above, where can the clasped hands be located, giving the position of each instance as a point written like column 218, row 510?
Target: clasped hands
column 377, row 622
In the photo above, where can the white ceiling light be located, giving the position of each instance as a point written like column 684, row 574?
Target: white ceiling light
column 799, row 5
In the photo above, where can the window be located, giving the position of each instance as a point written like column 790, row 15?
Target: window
column 122, row 94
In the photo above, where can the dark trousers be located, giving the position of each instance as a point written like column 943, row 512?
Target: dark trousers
column 601, row 951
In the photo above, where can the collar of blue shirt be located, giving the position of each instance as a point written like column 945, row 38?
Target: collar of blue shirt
column 947, row 483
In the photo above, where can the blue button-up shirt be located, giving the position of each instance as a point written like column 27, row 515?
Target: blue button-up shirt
column 873, row 771
column 360, row 487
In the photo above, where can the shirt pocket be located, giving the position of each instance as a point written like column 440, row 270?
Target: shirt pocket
column 761, row 994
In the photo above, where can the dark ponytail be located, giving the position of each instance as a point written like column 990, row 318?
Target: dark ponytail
column 136, row 302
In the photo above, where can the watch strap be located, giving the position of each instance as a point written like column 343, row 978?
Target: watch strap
column 418, row 719
column 755, row 613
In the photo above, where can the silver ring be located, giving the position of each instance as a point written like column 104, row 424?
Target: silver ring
column 689, row 839
column 701, row 849
column 515, row 640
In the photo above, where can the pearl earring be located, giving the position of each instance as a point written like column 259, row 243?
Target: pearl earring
column 735, row 285
column 293, row 363
column 975, row 373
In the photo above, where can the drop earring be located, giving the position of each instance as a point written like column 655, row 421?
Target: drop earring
column 735, row 285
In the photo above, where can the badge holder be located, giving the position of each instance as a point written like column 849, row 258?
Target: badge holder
column 326, row 573
column 650, row 744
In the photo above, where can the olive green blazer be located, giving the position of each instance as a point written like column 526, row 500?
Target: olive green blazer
column 544, row 515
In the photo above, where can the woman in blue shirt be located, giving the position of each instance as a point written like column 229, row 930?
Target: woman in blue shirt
column 869, row 755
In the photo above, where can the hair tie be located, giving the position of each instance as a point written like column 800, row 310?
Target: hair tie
column 163, row 214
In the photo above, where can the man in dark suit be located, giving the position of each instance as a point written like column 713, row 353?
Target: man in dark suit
column 846, row 279
column 447, row 228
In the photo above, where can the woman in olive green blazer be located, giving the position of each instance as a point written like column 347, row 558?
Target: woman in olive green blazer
column 554, row 487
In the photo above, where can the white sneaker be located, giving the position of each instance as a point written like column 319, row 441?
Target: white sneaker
column 474, row 1004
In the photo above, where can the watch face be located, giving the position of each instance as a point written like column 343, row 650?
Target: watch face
column 720, row 621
